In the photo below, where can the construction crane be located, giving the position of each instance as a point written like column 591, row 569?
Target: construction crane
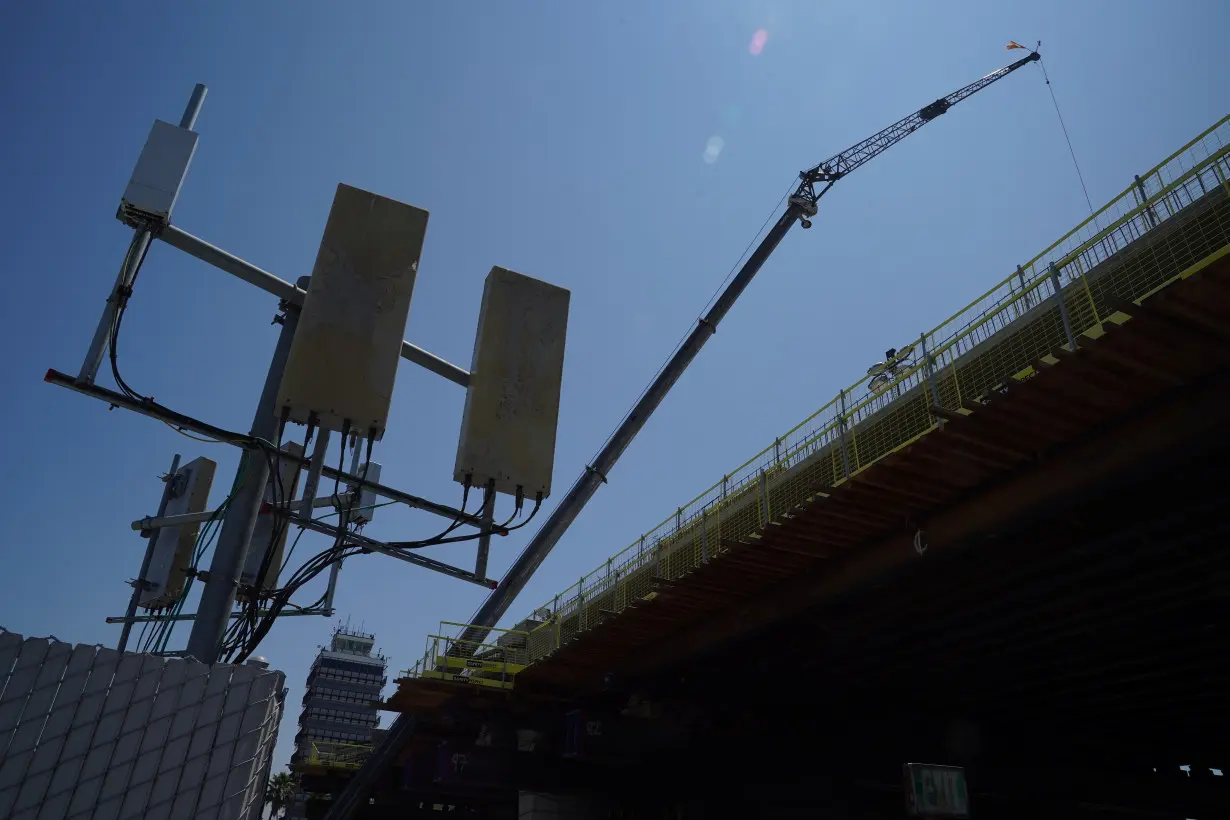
column 801, row 208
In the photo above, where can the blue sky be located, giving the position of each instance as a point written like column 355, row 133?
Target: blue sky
column 565, row 140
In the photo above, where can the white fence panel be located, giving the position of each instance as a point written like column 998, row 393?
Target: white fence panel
column 88, row 733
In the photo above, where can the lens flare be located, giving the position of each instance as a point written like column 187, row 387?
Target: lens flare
column 713, row 148
column 758, row 42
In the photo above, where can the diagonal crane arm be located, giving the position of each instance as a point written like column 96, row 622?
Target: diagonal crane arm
column 802, row 206
column 836, row 167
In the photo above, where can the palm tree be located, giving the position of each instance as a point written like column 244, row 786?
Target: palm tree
column 279, row 793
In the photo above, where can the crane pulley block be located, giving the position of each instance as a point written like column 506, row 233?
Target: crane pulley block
column 930, row 112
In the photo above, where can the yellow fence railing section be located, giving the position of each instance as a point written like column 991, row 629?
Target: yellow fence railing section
column 328, row 754
column 493, row 665
column 1170, row 222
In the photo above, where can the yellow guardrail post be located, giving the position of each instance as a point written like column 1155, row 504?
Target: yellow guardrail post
column 581, row 604
column 764, row 500
column 1088, row 292
column 841, row 431
column 559, row 621
column 930, row 394
column 1165, row 194
column 1063, row 308
column 704, row 537
column 1221, row 177
column 1025, row 293
column 1144, row 198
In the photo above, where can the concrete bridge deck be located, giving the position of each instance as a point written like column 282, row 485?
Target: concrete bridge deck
column 1012, row 558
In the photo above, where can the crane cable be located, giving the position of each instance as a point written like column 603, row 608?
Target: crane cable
column 1071, row 150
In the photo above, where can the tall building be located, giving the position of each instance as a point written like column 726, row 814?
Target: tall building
column 339, row 714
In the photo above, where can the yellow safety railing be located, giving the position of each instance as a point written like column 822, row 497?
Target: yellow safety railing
column 493, row 665
column 336, row 755
column 1170, row 222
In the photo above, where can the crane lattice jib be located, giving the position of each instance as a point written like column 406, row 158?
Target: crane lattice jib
column 836, row 167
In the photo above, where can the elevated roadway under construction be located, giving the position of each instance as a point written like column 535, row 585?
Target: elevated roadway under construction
column 1009, row 555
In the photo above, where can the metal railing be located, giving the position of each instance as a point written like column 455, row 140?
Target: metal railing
column 338, row 755
column 1170, row 222
column 493, row 665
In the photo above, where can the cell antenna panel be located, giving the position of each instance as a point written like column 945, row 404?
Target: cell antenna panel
column 173, row 546
column 512, row 403
column 343, row 360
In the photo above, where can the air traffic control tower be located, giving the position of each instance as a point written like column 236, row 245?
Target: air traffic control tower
column 339, row 713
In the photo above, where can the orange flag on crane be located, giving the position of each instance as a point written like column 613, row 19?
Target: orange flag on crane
column 1014, row 44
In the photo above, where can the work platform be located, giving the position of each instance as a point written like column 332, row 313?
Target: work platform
column 1008, row 554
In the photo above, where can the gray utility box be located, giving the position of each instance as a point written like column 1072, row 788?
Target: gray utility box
column 160, row 171
column 512, row 403
column 343, row 360
column 173, row 546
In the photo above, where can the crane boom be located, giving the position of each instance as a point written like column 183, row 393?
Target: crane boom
column 802, row 205
column 836, row 167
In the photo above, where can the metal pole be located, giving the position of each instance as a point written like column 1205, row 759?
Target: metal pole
column 484, row 540
column 578, row 496
column 319, row 454
column 930, row 365
column 764, row 499
column 1144, row 197
column 102, row 333
column 140, row 619
column 704, row 537
column 154, row 522
column 188, row 120
column 1063, row 308
column 336, row 569
column 355, row 442
column 329, row 593
column 841, row 431
column 266, row 281
column 140, row 244
column 139, row 583
column 218, row 597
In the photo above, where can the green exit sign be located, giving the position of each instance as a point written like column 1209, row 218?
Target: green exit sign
column 936, row 791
